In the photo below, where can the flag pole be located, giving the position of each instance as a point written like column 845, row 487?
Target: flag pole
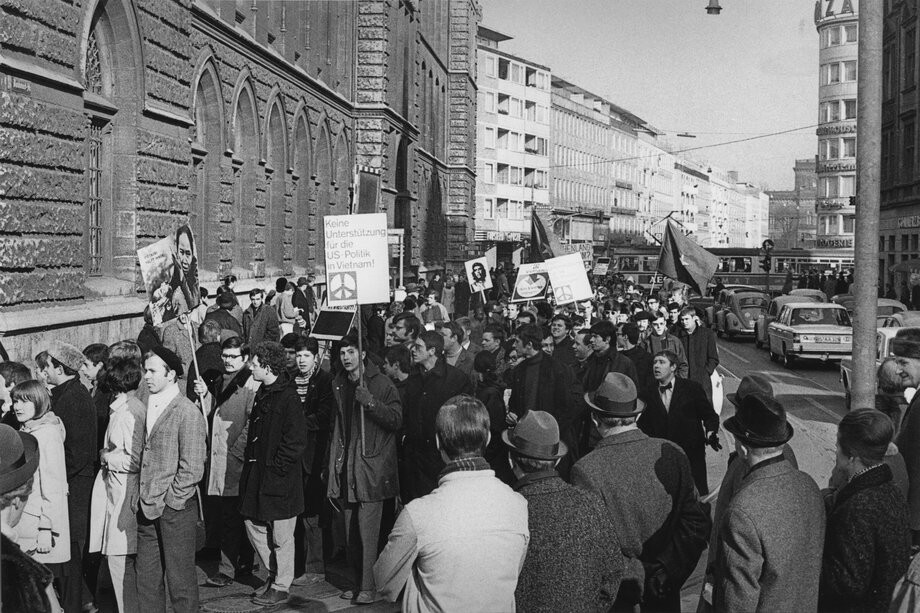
column 361, row 375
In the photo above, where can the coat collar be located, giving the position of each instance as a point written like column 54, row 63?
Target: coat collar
column 535, row 478
column 875, row 476
column 772, row 467
column 623, row 438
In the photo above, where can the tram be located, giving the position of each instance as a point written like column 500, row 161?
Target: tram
column 736, row 266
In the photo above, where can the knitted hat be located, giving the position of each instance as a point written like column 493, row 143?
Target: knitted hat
column 66, row 354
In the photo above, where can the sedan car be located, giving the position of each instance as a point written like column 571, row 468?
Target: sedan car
column 806, row 330
column 738, row 312
column 903, row 319
column 886, row 306
column 776, row 305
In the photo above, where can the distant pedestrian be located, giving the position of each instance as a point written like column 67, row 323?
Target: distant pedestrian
column 573, row 560
column 461, row 547
column 867, row 543
column 701, row 349
column 260, row 321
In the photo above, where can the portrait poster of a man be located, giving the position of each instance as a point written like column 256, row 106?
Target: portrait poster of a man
column 170, row 271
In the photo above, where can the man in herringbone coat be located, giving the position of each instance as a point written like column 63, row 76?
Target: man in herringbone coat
column 573, row 560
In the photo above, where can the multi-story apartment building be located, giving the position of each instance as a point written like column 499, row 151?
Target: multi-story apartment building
column 838, row 32
column 246, row 119
column 513, row 145
column 899, row 222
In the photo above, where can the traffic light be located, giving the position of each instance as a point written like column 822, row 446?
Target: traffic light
column 766, row 263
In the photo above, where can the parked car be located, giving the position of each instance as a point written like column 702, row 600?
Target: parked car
column 776, row 305
column 718, row 301
column 886, row 306
column 738, row 311
column 883, row 338
column 904, row 319
column 810, row 330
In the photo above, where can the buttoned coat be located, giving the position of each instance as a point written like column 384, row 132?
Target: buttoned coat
column 651, row 502
column 230, row 398
column 260, row 325
column 564, row 351
column 687, row 420
column 866, row 546
column 555, row 392
column 702, row 356
column 372, row 471
column 74, row 405
column 668, row 342
column 573, row 561
column 768, row 555
column 425, row 393
column 271, row 482
column 172, row 463
column 910, row 450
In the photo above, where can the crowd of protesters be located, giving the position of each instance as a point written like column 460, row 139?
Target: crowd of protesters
column 467, row 453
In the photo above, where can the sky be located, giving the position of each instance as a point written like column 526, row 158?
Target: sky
column 750, row 71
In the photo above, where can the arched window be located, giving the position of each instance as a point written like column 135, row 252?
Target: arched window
column 245, row 162
column 324, row 192
column 302, row 195
column 277, row 170
column 207, row 150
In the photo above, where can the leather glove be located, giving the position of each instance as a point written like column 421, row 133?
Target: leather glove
column 713, row 441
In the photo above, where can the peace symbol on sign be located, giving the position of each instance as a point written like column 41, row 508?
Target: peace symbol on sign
column 343, row 286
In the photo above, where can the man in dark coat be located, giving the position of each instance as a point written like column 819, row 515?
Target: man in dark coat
column 606, row 358
column 303, row 303
column 679, row 411
column 431, row 382
column 540, row 383
column 906, row 348
column 225, row 302
column 628, row 338
column 560, row 327
column 650, row 499
column 71, row 401
column 573, row 561
column 260, row 322
column 700, row 346
column 764, row 561
column 271, row 486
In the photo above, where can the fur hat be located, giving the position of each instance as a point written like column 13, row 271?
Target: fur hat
column 906, row 344
column 66, row 354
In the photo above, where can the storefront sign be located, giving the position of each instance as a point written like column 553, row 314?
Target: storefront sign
column 499, row 237
column 912, row 221
column 835, row 243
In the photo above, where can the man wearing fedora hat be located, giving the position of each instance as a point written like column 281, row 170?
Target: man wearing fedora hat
column 648, row 490
column 906, row 348
column 573, row 562
column 768, row 553
column 26, row 584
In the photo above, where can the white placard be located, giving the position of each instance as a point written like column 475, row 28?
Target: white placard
column 357, row 260
column 532, row 282
column 477, row 273
column 568, row 278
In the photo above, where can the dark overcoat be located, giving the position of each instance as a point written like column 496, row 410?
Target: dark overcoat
column 425, row 393
column 690, row 416
column 573, row 559
column 910, row 449
column 319, row 407
column 597, row 366
column 867, row 544
column 702, row 356
column 72, row 402
column 651, row 502
column 271, row 485
column 768, row 555
column 372, row 473
column 555, row 393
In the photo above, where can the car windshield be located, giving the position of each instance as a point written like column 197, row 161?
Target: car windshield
column 752, row 301
column 820, row 317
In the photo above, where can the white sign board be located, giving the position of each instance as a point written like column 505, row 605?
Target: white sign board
column 601, row 268
column 477, row 273
column 568, row 277
column 532, row 282
column 357, row 261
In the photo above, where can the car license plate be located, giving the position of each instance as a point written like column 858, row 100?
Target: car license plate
column 827, row 339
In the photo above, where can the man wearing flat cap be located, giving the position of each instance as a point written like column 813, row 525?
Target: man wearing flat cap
column 573, row 560
column 70, row 400
column 906, row 348
column 172, row 464
column 768, row 553
column 648, row 490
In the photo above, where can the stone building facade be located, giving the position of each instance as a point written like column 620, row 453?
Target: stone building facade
column 122, row 119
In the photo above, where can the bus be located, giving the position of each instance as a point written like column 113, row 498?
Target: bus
column 736, row 265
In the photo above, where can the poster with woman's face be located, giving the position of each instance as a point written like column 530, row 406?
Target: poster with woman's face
column 169, row 268
column 477, row 273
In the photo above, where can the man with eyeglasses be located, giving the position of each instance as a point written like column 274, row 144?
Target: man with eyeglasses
column 662, row 340
column 431, row 382
column 229, row 398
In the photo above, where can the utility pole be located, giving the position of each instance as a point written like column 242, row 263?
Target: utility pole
column 868, row 158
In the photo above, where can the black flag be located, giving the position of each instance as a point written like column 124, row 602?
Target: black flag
column 683, row 260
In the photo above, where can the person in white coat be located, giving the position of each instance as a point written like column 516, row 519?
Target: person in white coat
column 44, row 530
column 113, row 520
